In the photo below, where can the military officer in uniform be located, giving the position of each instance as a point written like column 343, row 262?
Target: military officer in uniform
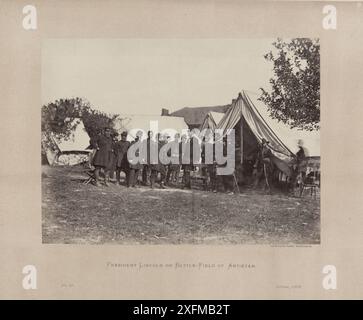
column 146, row 168
column 263, row 165
column 174, row 167
column 135, row 166
column 209, row 170
column 122, row 163
column 186, row 154
column 157, row 167
column 103, row 157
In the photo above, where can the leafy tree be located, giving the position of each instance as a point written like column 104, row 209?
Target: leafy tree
column 57, row 116
column 58, row 119
column 95, row 121
column 295, row 95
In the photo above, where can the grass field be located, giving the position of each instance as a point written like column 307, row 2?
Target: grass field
column 75, row 213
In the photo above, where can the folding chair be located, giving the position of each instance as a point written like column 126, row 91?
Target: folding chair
column 91, row 177
column 309, row 183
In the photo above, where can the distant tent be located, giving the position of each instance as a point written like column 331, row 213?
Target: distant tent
column 71, row 151
column 211, row 120
column 163, row 124
column 250, row 128
column 194, row 116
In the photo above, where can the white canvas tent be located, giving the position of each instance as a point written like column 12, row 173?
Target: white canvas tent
column 163, row 124
column 211, row 120
column 71, row 151
column 78, row 141
column 252, row 123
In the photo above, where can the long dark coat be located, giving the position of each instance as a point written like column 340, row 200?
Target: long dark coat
column 203, row 150
column 157, row 145
column 112, row 165
column 138, row 165
column 175, row 157
column 104, row 154
column 186, row 155
column 121, row 148
column 193, row 142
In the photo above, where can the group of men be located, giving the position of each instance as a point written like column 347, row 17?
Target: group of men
column 111, row 155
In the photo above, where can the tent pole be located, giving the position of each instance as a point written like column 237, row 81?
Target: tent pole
column 241, row 138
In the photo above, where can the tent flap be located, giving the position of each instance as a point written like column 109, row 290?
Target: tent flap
column 242, row 106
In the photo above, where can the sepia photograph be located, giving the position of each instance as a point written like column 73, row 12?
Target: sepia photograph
column 180, row 141
column 182, row 151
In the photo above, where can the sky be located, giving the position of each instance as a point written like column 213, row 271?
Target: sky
column 142, row 76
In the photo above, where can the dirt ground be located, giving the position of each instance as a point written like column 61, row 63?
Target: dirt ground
column 75, row 213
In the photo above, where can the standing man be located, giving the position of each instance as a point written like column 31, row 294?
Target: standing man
column 122, row 163
column 263, row 164
column 102, row 159
column 186, row 154
column 135, row 166
column 92, row 146
column 209, row 170
column 302, row 153
column 227, row 179
column 174, row 167
column 146, row 167
column 298, row 171
column 112, row 166
column 157, row 167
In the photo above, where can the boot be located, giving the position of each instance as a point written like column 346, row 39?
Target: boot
column 131, row 179
column 107, row 178
column 214, row 187
column 97, row 177
column 152, row 179
column 118, row 177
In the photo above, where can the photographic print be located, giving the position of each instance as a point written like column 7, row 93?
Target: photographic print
column 178, row 102
column 180, row 150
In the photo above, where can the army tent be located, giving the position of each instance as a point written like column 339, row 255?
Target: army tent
column 211, row 120
column 158, row 124
column 67, row 151
column 78, row 141
column 245, row 116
